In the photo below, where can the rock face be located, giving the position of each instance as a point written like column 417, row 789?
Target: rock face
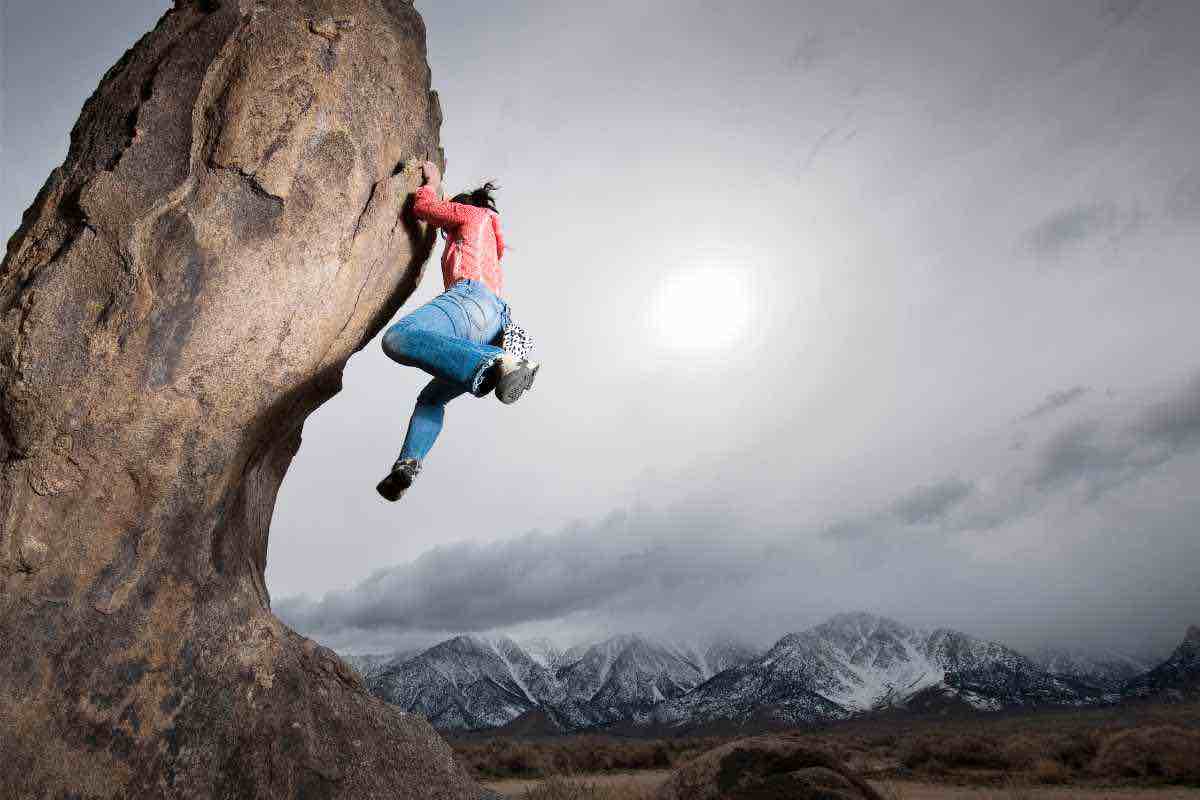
column 187, row 287
column 765, row 768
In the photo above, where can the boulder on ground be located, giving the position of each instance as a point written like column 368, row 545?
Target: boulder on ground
column 765, row 768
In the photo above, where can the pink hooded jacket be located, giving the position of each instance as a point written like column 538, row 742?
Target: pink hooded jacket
column 474, row 244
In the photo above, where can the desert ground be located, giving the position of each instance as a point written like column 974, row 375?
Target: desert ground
column 1121, row 753
column 641, row 786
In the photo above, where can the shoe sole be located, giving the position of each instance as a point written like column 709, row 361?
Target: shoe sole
column 517, row 384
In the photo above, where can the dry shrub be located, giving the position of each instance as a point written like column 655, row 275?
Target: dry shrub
column 1049, row 771
column 1075, row 749
column 938, row 753
column 1044, row 756
column 506, row 759
column 1022, row 751
column 885, row 741
column 558, row 788
column 571, row 755
column 1162, row 754
column 562, row 789
column 1017, row 789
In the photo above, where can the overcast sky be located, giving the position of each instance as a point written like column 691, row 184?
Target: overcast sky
column 843, row 305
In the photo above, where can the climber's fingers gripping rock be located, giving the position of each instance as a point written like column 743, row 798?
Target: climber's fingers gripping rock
column 432, row 175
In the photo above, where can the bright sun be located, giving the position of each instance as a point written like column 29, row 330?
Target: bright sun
column 703, row 310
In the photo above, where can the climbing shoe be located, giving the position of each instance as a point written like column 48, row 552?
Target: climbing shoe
column 514, row 378
column 403, row 473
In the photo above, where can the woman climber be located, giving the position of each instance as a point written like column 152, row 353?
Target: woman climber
column 455, row 336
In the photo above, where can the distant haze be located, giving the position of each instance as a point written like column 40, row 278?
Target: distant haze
column 944, row 369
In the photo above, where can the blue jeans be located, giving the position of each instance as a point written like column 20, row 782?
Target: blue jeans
column 450, row 338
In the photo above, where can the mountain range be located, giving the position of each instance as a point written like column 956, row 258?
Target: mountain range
column 851, row 665
column 1108, row 669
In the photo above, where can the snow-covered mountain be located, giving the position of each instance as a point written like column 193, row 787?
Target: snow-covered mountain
column 468, row 682
column 473, row 682
column 717, row 655
column 1176, row 678
column 850, row 665
column 369, row 665
column 545, row 652
column 856, row 663
column 625, row 676
column 1108, row 670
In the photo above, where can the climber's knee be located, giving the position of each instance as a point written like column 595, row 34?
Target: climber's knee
column 437, row 393
column 431, row 395
column 399, row 343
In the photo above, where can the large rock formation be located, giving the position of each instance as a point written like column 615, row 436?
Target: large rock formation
column 225, row 232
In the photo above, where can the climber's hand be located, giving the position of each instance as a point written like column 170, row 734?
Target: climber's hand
column 432, row 175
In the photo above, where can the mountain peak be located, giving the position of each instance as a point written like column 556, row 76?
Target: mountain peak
column 852, row 663
column 864, row 622
column 859, row 617
column 465, row 641
column 1179, row 674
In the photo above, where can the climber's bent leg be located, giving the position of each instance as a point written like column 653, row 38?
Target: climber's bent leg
column 453, row 360
column 447, row 337
column 427, row 418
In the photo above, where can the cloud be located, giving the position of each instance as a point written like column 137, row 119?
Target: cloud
column 1104, row 454
column 1095, row 454
column 920, row 505
column 1056, row 400
column 1083, row 450
column 812, row 50
column 1175, row 421
column 475, row 587
column 1183, row 200
column 853, row 528
column 1119, row 11
column 927, row 504
column 1072, row 226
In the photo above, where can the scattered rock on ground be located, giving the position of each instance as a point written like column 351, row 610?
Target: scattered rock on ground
column 765, row 768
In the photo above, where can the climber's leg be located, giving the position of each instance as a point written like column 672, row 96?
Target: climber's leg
column 423, row 430
column 427, row 418
column 448, row 337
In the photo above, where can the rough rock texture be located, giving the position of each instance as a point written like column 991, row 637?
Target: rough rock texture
column 225, row 232
column 765, row 768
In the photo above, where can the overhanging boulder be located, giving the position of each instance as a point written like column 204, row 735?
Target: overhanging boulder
column 187, row 287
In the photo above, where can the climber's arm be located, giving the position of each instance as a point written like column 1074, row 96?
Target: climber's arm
column 441, row 213
column 437, row 212
column 499, row 238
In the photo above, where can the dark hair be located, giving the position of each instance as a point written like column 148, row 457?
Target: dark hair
column 481, row 197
